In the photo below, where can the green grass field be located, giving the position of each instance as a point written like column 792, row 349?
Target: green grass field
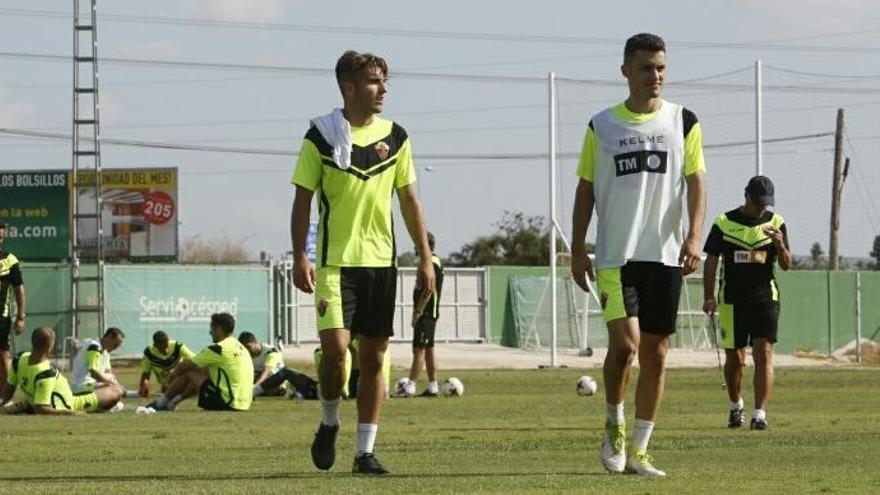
column 512, row 432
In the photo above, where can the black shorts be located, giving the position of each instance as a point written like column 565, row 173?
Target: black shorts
column 423, row 333
column 742, row 323
column 359, row 299
column 647, row 290
column 210, row 398
column 5, row 330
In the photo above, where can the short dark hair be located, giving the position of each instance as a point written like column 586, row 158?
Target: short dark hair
column 431, row 241
column 223, row 320
column 351, row 66
column 114, row 332
column 247, row 338
column 643, row 41
column 160, row 338
column 41, row 337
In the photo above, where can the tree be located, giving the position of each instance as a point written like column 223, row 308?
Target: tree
column 816, row 254
column 876, row 252
column 218, row 251
column 519, row 239
column 409, row 258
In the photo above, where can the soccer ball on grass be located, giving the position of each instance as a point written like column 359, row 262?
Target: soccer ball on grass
column 453, row 387
column 586, row 385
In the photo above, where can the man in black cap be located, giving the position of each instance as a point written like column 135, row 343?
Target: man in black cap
column 10, row 281
column 750, row 240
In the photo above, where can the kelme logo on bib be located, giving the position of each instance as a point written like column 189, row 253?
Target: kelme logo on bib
column 636, row 162
column 322, row 307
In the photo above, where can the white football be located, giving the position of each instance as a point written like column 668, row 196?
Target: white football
column 453, row 387
column 586, row 385
column 404, row 387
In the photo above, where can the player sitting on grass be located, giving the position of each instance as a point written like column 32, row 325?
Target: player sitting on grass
column 221, row 374
column 45, row 389
column 159, row 359
column 271, row 376
column 91, row 366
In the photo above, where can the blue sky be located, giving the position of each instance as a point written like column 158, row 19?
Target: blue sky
column 247, row 198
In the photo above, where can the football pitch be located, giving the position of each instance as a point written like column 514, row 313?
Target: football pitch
column 512, row 432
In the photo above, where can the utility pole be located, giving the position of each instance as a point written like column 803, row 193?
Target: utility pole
column 833, row 257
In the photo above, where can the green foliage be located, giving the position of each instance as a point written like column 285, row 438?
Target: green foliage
column 519, row 239
column 512, row 432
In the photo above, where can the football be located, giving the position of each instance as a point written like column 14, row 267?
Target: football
column 586, row 385
column 453, row 387
column 404, row 387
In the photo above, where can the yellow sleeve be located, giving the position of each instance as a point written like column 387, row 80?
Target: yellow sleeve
column 587, row 163
column 406, row 172
column 93, row 360
column 185, row 353
column 208, row 356
column 693, row 151
column 308, row 167
column 12, row 376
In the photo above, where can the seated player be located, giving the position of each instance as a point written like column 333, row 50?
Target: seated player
column 91, row 365
column 159, row 359
column 222, row 374
column 45, row 389
column 271, row 376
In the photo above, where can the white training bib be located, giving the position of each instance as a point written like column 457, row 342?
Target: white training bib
column 639, row 186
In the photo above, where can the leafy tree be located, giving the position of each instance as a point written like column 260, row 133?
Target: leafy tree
column 519, row 239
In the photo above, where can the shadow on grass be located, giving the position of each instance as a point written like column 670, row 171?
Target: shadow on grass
column 176, row 478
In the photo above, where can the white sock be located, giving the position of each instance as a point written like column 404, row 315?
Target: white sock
column 162, row 401
column 642, row 434
column 433, row 387
column 735, row 406
column 366, row 437
column 614, row 413
column 759, row 414
column 330, row 412
column 258, row 390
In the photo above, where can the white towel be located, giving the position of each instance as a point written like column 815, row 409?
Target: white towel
column 337, row 132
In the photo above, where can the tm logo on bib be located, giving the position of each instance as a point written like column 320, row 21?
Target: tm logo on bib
column 636, row 162
column 749, row 256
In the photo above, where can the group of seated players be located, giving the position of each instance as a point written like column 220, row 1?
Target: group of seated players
column 225, row 375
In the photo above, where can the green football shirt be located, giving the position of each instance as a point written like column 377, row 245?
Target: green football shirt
column 355, row 226
column 231, row 370
column 158, row 363
column 42, row 384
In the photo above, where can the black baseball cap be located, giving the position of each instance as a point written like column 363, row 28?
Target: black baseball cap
column 760, row 190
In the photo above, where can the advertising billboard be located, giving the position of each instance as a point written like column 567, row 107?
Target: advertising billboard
column 139, row 213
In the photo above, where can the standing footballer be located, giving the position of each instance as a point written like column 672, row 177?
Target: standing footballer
column 749, row 240
column 353, row 162
column 641, row 161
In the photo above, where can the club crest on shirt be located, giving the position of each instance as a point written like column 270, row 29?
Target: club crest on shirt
column 322, row 307
column 382, row 149
column 603, row 299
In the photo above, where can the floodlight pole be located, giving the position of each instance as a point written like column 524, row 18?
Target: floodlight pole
column 759, row 124
column 551, row 79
